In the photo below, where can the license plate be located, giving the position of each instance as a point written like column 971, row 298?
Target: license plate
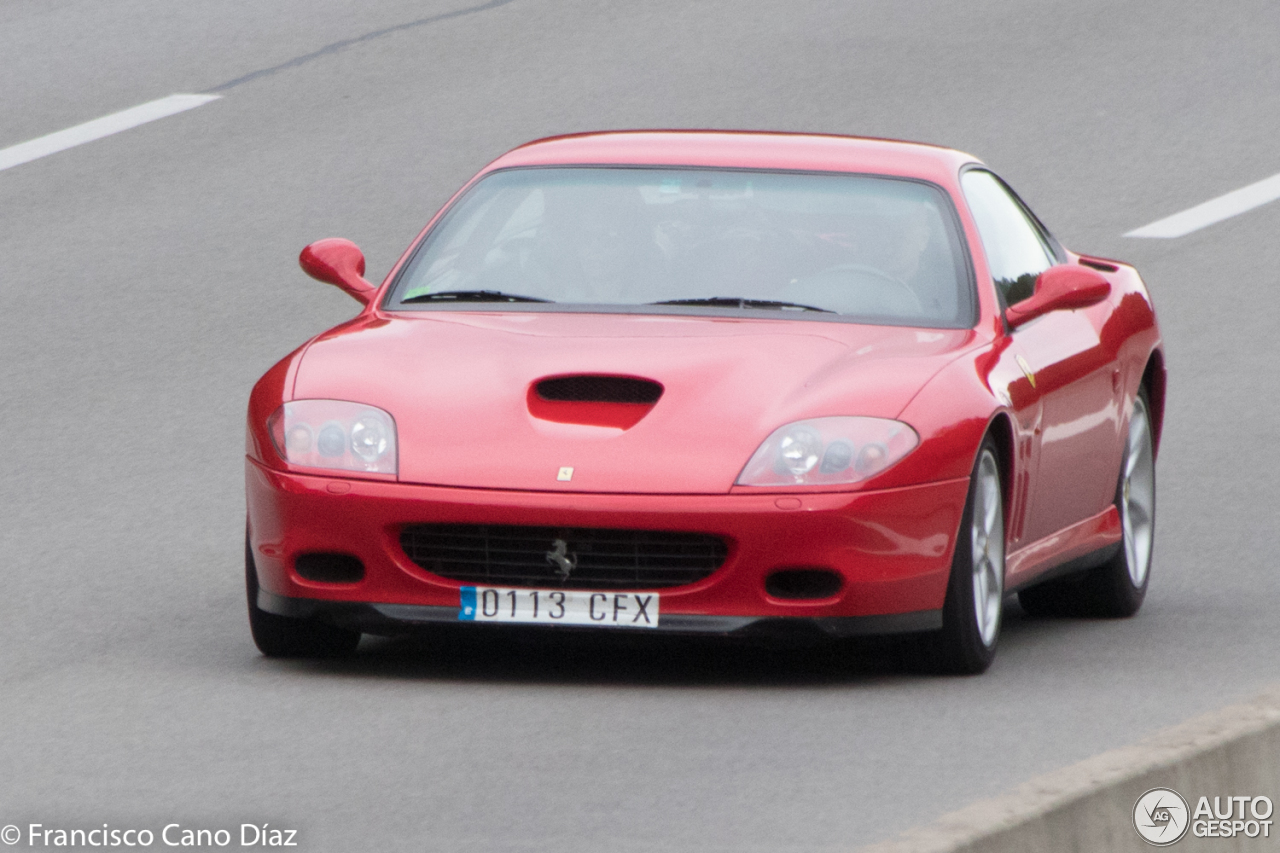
column 559, row 607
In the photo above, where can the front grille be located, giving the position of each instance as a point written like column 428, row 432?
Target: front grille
column 600, row 389
column 501, row 555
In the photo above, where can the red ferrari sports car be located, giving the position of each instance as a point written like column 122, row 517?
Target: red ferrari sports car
column 709, row 382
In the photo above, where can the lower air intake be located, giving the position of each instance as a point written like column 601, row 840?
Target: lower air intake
column 329, row 568
column 803, row 583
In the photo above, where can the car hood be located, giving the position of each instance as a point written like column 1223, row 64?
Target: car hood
column 458, row 386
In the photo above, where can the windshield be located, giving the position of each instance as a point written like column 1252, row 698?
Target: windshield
column 868, row 249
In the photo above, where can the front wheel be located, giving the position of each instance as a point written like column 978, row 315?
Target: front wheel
column 971, row 614
column 285, row 637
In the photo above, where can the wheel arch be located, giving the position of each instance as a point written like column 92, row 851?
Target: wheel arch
column 1001, row 431
column 1154, row 379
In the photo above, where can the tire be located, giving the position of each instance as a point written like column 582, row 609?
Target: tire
column 1117, row 588
column 286, row 637
column 971, row 613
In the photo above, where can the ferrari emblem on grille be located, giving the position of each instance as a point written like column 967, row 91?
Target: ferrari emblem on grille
column 557, row 557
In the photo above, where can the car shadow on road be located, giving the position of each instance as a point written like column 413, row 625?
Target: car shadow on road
column 559, row 656
column 566, row 657
column 582, row 657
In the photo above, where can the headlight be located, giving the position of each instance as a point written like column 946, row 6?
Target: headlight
column 828, row 452
column 334, row 434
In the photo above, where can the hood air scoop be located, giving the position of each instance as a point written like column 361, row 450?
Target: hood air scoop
column 599, row 389
column 593, row 400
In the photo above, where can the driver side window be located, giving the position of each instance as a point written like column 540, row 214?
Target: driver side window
column 1015, row 251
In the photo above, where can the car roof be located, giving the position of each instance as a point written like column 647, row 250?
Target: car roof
column 744, row 150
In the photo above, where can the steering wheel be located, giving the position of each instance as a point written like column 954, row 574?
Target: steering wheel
column 857, row 289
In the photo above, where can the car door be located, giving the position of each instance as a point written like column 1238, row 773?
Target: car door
column 1072, row 466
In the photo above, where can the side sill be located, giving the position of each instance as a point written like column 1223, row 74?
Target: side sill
column 1084, row 539
column 1072, row 567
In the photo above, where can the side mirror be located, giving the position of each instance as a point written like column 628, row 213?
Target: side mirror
column 339, row 262
column 1057, row 288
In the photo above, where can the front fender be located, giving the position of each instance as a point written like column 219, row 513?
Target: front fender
column 952, row 413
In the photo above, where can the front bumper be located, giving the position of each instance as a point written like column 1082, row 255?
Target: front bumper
column 892, row 548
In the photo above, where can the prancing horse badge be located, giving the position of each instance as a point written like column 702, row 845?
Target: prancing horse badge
column 565, row 475
column 559, row 557
column 1026, row 370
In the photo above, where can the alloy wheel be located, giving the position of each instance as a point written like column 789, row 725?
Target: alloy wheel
column 986, row 534
column 1138, row 494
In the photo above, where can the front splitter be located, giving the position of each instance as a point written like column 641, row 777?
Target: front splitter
column 395, row 619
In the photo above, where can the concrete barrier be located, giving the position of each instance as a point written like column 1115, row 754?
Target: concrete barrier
column 1088, row 807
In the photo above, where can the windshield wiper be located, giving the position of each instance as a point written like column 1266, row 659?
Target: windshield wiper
column 740, row 302
column 470, row 296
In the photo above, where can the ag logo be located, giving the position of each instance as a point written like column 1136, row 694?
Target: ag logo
column 1161, row 816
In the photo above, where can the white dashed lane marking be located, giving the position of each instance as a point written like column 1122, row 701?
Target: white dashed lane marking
column 25, row 152
column 1213, row 211
column 1178, row 225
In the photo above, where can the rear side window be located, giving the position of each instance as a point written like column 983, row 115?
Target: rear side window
column 1016, row 253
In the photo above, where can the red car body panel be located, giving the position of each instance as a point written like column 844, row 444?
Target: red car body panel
column 473, row 448
column 890, row 543
column 737, row 379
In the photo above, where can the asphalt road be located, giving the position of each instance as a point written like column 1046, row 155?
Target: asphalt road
column 148, row 278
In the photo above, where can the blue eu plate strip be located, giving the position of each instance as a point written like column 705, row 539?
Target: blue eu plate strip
column 468, row 596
